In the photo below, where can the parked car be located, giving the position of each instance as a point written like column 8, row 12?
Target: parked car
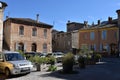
column 58, row 56
column 43, row 54
column 31, row 54
column 13, row 63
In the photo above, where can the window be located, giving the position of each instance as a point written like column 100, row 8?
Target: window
column 116, row 35
column 34, row 47
column 20, row 46
column 45, row 47
column 92, row 35
column 45, row 33
column 85, row 36
column 104, row 35
column 34, row 32
column 21, row 30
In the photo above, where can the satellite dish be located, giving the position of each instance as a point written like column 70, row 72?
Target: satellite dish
column 0, row 5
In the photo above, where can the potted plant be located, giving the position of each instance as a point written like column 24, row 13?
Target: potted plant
column 81, row 61
column 37, row 61
column 97, row 57
column 68, row 62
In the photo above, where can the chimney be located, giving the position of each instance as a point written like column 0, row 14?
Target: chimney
column 86, row 24
column 109, row 19
column 7, row 17
column 99, row 22
column 37, row 17
column 68, row 21
column 93, row 24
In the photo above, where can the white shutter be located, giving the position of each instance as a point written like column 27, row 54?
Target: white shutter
column 16, row 46
column 25, row 47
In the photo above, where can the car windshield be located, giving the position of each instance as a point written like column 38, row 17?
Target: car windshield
column 14, row 57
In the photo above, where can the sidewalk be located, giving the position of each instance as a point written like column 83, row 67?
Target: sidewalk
column 108, row 69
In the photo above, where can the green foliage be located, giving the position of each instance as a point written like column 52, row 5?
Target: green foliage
column 37, row 59
column 50, row 60
column 97, row 56
column 84, row 50
column 68, row 59
column 52, row 68
column 81, row 59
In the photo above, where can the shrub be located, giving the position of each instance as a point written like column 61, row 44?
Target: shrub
column 37, row 59
column 50, row 60
column 68, row 61
column 52, row 68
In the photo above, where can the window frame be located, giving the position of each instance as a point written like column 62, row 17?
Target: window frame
column 21, row 30
column 34, row 32
column 104, row 35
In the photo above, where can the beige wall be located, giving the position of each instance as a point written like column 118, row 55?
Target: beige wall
column 98, row 37
column 12, row 37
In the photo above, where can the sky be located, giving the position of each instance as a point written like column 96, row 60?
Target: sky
column 58, row 12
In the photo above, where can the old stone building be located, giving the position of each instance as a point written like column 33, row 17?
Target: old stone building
column 72, row 26
column 62, row 42
column 67, row 41
column 27, row 35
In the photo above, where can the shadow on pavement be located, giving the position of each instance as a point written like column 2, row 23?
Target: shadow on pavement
column 60, row 75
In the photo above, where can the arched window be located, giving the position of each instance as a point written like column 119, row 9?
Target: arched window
column 21, row 30
column 45, row 47
column 21, row 46
column 34, row 47
column 45, row 33
column 34, row 32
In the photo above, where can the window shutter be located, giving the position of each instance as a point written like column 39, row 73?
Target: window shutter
column 16, row 46
column 25, row 47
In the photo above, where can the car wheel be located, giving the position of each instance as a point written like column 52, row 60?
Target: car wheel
column 7, row 72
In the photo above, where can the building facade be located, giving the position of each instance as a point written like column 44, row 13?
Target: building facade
column 102, row 37
column 67, row 41
column 27, row 35
column 62, row 42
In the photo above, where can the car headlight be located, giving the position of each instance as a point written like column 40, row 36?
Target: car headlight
column 15, row 66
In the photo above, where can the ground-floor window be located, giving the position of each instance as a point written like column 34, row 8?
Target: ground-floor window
column 21, row 46
column 34, row 47
column 45, row 48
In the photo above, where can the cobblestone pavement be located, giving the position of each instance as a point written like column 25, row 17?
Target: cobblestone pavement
column 108, row 69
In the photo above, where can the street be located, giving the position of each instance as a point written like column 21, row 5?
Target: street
column 107, row 69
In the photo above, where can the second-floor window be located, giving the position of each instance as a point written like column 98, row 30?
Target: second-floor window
column 34, row 32
column 45, row 33
column 21, row 30
column 104, row 35
column 85, row 36
column 92, row 35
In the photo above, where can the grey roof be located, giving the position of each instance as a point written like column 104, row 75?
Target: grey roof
column 29, row 21
column 113, row 23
